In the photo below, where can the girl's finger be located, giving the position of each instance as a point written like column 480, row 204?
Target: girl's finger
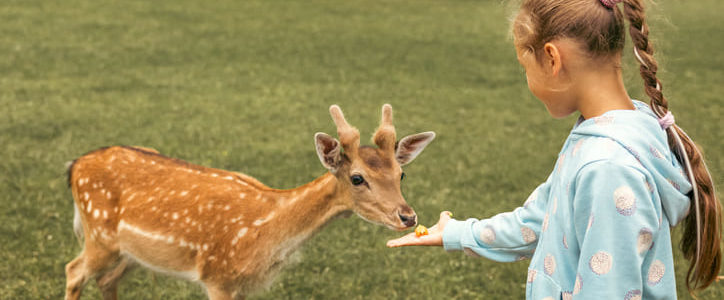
column 434, row 238
column 413, row 240
column 407, row 240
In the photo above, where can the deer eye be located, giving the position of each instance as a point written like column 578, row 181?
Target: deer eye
column 357, row 179
column 402, row 177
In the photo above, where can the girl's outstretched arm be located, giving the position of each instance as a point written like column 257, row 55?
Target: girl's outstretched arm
column 505, row 237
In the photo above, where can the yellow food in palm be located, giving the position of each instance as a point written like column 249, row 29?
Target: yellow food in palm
column 420, row 230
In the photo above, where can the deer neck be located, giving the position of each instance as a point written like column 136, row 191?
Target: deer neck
column 304, row 210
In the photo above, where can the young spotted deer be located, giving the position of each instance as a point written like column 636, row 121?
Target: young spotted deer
column 225, row 230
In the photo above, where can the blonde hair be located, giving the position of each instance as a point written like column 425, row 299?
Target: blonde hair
column 601, row 31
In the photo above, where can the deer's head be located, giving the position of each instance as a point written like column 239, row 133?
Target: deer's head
column 369, row 175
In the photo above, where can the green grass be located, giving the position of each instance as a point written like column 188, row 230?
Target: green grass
column 244, row 85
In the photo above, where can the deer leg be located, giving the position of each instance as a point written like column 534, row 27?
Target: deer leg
column 218, row 293
column 75, row 278
column 86, row 266
column 108, row 281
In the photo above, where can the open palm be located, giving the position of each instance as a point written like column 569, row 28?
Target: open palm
column 433, row 238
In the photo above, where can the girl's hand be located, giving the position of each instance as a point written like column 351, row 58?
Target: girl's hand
column 433, row 238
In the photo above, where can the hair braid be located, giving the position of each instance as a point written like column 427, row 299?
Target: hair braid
column 644, row 51
column 701, row 241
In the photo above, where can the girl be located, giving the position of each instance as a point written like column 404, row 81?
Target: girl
column 598, row 228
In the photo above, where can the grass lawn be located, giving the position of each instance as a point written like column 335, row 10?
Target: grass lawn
column 244, row 85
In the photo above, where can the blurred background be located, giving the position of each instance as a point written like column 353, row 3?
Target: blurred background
column 244, row 85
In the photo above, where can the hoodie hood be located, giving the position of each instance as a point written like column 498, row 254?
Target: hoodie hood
column 639, row 132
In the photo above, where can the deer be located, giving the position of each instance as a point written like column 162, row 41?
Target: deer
column 226, row 230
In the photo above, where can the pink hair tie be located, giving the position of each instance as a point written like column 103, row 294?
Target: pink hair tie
column 609, row 3
column 667, row 120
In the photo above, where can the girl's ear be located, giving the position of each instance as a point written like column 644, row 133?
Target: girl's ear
column 552, row 55
column 411, row 146
column 328, row 150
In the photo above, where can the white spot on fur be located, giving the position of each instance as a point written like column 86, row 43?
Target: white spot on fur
column 86, row 196
column 105, row 214
column 90, row 206
column 96, row 213
column 175, row 216
column 261, row 221
column 239, row 235
column 184, row 193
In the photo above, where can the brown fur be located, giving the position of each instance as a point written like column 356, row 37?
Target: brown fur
column 223, row 229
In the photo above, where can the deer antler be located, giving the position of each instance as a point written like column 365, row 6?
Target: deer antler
column 348, row 135
column 385, row 136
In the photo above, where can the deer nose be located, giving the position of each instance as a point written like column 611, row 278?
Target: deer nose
column 409, row 220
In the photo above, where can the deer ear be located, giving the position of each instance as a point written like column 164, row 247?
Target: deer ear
column 411, row 146
column 328, row 150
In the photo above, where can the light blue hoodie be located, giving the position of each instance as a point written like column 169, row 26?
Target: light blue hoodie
column 598, row 228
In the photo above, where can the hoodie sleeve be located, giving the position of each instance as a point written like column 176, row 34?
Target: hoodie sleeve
column 615, row 222
column 505, row 237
